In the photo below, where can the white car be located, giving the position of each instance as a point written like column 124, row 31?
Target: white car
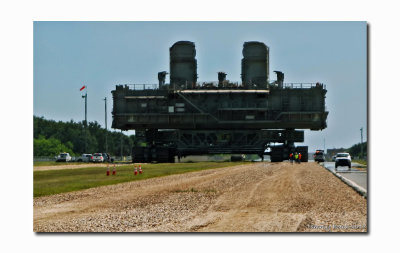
column 84, row 158
column 64, row 157
column 343, row 159
column 97, row 157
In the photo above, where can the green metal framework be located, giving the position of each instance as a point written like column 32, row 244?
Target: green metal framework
column 186, row 118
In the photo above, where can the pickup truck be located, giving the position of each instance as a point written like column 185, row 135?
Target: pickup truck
column 343, row 159
column 319, row 156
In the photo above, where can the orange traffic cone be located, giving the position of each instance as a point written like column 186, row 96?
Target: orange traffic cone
column 135, row 170
column 108, row 170
column 140, row 169
column 114, row 171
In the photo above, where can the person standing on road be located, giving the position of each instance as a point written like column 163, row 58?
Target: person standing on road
column 296, row 156
column 299, row 157
column 291, row 157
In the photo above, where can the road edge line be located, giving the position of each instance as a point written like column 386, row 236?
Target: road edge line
column 360, row 190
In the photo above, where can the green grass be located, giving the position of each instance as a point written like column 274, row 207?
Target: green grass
column 56, row 163
column 58, row 181
column 363, row 162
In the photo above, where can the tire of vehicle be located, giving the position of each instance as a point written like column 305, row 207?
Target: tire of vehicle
column 276, row 159
column 138, row 155
column 336, row 166
column 79, row 160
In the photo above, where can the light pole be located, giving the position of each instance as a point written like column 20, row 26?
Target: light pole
column 361, row 129
column 105, row 113
column 85, row 124
column 122, row 137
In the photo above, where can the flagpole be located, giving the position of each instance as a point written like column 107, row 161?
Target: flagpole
column 86, row 119
column 86, row 106
column 85, row 122
column 105, row 115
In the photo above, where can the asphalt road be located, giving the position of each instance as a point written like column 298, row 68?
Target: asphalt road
column 355, row 175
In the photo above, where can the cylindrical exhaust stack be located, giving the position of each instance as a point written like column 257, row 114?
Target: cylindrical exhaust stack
column 161, row 78
column 279, row 78
column 255, row 64
column 221, row 78
column 183, row 65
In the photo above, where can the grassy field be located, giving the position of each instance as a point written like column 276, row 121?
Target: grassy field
column 55, row 163
column 39, row 164
column 363, row 162
column 58, row 181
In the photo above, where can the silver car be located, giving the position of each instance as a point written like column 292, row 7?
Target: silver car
column 97, row 157
column 84, row 158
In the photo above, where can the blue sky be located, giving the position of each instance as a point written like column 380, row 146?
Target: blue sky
column 100, row 55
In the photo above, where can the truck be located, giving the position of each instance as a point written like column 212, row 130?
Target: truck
column 319, row 156
column 343, row 159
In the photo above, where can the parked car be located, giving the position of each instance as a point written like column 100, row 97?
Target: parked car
column 97, row 157
column 84, row 158
column 343, row 159
column 63, row 157
column 107, row 157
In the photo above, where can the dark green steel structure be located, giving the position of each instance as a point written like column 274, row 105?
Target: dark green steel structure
column 187, row 118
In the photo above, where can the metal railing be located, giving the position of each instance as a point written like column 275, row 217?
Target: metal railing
column 142, row 86
column 44, row 158
column 215, row 85
column 302, row 85
column 74, row 159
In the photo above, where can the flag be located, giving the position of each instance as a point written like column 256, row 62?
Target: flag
column 83, row 87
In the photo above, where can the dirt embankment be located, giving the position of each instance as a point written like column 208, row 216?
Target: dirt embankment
column 258, row 197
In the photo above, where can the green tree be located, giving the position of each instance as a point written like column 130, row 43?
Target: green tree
column 72, row 135
column 50, row 147
column 355, row 150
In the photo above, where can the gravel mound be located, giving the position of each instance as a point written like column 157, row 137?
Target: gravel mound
column 256, row 197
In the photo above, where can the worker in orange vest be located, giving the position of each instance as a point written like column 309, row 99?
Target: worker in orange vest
column 299, row 157
column 291, row 157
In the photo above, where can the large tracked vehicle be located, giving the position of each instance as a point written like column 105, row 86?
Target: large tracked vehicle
column 185, row 117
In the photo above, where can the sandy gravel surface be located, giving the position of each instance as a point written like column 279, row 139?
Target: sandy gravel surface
column 72, row 166
column 259, row 197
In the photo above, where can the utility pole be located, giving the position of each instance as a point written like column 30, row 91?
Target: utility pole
column 361, row 129
column 105, row 113
column 122, row 137
column 85, row 124
column 324, row 146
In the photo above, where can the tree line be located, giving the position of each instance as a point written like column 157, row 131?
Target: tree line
column 51, row 138
column 357, row 151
